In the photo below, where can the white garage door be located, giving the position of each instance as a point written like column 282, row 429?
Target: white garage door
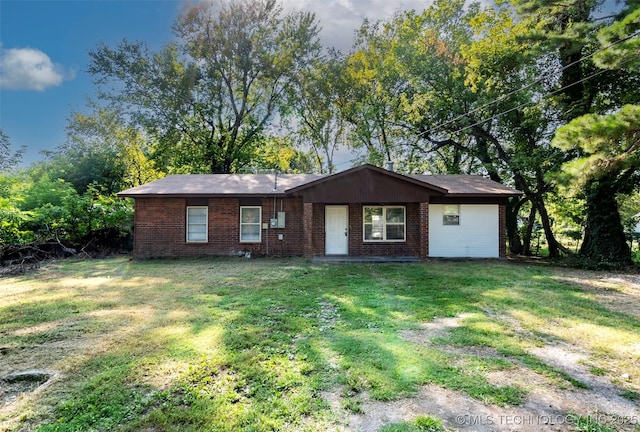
column 474, row 236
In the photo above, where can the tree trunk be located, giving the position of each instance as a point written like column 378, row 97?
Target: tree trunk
column 527, row 237
column 552, row 243
column 604, row 240
column 513, row 208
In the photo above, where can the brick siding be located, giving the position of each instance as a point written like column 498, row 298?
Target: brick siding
column 502, row 230
column 357, row 245
column 160, row 229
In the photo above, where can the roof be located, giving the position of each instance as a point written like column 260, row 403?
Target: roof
column 220, row 184
column 369, row 168
column 193, row 185
column 468, row 185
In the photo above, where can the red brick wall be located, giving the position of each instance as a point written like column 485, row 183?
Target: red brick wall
column 502, row 230
column 318, row 229
column 160, row 229
column 357, row 246
column 424, row 229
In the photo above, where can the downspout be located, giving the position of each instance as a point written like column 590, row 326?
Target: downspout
column 275, row 189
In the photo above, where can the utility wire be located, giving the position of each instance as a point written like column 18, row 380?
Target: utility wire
column 542, row 97
column 542, row 78
column 511, row 93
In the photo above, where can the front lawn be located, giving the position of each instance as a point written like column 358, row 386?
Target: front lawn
column 235, row 344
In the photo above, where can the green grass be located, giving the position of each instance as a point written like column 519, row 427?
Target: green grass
column 419, row 424
column 230, row 344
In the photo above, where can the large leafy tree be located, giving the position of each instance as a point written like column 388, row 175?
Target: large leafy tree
column 609, row 149
column 373, row 89
column 102, row 149
column 453, row 68
column 316, row 103
column 208, row 97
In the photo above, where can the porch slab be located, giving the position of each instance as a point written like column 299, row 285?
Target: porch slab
column 331, row 259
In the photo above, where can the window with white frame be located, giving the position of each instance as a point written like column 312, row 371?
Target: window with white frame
column 451, row 214
column 384, row 223
column 197, row 224
column 250, row 224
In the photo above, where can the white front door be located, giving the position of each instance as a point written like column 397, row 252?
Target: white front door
column 336, row 230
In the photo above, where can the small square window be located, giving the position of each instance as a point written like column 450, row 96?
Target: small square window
column 383, row 223
column 451, row 214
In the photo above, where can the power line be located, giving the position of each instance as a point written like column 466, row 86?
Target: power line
column 542, row 78
column 543, row 97
column 503, row 97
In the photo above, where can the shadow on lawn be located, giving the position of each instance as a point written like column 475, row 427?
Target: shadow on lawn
column 244, row 345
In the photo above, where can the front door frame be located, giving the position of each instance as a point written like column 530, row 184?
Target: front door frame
column 339, row 246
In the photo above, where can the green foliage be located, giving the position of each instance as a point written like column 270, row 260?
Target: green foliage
column 276, row 153
column 623, row 43
column 608, row 143
column 610, row 156
column 8, row 159
column 102, row 149
column 45, row 210
column 316, row 102
column 419, row 424
column 12, row 218
column 207, row 98
column 629, row 208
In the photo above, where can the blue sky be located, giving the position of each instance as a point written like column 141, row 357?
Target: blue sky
column 34, row 106
column 44, row 48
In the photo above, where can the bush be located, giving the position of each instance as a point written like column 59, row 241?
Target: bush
column 47, row 210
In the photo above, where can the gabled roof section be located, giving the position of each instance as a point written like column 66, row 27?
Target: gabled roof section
column 366, row 184
column 372, row 168
column 193, row 185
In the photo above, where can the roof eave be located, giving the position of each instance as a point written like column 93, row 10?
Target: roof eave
column 484, row 195
column 202, row 195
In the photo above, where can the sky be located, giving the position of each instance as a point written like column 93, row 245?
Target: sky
column 44, row 47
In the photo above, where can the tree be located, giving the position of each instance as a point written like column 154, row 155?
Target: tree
column 315, row 100
column 102, row 149
column 372, row 96
column 278, row 153
column 610, row 149
column 8, row 159
column 608, row 146
column 509, row 71
column 208, row 97
column 454, row 66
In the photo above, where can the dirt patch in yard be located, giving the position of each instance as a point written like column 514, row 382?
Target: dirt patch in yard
column 548, row 405
column 618, row 292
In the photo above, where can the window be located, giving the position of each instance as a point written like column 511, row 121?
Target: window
column 451, row 214
column 384, row 223
column 250, row 224
column 197, row 224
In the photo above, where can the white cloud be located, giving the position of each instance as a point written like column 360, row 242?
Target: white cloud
column 340, row 19
column 30, row 69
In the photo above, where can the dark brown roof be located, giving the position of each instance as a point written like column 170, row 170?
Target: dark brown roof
column 263, row 184
column 369, row 168
column 468, row 185
column 220, row 184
